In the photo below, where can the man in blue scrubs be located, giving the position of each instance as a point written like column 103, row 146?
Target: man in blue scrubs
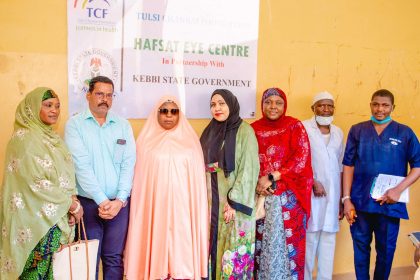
column 104, row 154
column 378, row 146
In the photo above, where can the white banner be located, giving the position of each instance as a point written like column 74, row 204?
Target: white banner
column 186, row 48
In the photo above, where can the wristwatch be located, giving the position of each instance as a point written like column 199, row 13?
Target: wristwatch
column 273, row 182
column 124, row 202
column 344, row 198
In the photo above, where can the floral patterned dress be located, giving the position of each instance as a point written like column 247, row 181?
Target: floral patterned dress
column 36, row 192
column 232, row 245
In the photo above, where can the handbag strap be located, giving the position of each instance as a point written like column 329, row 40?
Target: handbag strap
column 78, row 230
column 81, row 224
column 87, row 249
column 71, row 269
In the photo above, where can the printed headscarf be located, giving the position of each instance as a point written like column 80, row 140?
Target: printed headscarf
column 37, row 186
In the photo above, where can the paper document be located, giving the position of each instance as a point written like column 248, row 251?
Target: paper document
column 415, row 238
column 385, row 182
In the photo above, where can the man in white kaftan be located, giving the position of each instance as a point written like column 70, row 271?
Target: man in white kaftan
column 326, row 142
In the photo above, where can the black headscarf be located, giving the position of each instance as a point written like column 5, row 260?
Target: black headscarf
column 218, row 132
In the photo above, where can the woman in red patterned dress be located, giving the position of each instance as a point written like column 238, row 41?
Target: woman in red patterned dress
column 286, row 180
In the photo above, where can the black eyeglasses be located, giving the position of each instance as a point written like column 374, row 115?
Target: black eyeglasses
column 164, row 111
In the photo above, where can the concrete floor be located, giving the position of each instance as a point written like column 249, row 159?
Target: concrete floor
column 399, row 273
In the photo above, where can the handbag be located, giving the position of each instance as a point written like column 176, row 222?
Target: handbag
column 76, row 260
column 259, row 207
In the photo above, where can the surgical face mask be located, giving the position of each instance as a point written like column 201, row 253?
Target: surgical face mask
column 324, row 120
column 386, row 120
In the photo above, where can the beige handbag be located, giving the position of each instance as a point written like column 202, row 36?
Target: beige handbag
column 76, row 260
column 259, row 207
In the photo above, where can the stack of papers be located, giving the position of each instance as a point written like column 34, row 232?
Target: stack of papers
column 415, row 238
column 385, row 182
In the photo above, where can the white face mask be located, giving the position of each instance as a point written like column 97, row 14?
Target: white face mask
column 324, row 120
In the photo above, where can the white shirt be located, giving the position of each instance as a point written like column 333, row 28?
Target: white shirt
column 326, row 166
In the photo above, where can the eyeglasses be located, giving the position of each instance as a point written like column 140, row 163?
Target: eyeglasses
column 101, row 95
column 164, row 111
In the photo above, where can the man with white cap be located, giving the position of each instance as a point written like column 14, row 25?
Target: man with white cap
column 326, row 142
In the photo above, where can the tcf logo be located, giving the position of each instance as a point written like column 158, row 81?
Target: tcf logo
column 93, row 12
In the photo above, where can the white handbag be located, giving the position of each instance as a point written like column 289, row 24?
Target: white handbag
column 76, row 260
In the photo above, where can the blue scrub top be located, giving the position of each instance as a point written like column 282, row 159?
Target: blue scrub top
column 372, row 154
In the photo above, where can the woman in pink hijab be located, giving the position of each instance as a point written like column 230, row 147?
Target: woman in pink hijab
column 168, row 235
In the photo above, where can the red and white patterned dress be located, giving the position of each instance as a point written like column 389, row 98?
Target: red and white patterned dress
column 284, row 147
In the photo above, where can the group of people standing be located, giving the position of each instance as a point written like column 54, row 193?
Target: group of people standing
column 175, row 206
